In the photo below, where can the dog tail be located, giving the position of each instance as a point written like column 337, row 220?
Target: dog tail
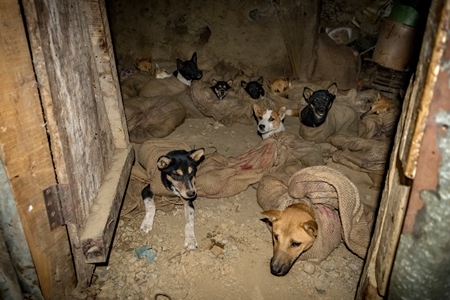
column 147, row 192
column 292, row 112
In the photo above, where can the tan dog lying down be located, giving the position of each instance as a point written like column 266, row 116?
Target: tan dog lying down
column 294, row 231
column 317, row 195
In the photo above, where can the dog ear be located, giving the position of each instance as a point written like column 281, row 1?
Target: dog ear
column 260, row 80
column 179, row 63
column 163, row 162
column 282, row 113
column 310, row 227
column 197, row 155
column 273, row 215
column 332, row 89
column 243, row 84
column 256, row 109
column 194, row 57
column 213, row 82
column 230, row 82
column 307, row 93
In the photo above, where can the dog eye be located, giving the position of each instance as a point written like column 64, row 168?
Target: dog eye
column 176, row 176
column 275, row 237
column 295, row 244
column 271, row 119
column 285, row 88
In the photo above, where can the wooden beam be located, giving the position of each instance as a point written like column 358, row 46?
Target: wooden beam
column 97, row 235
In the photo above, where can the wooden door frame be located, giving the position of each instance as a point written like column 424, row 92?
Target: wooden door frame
column 59, row 32
column 26, row 155
column 414, row 159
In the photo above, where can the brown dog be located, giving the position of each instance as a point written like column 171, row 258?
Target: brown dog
column 381, row 105
column 294, row 231
column 280, row 86
column 144, row 65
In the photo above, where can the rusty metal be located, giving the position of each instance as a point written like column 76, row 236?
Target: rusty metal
column 58, row 201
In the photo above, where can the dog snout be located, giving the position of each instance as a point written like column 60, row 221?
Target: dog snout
column 261, row 126
column 321, row 110
column 278, row 269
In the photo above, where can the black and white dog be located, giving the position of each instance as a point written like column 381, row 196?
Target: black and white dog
column 188, row 70
column 178, row 169
column 319, row 104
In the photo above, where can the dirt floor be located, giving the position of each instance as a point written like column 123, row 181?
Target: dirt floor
column 235, row 247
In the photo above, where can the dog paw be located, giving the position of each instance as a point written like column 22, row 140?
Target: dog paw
column 146, row 227
column 190, row 243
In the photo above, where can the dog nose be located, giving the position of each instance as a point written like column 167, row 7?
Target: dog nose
column 262, row 127
column 278, row 270
column 191, row 194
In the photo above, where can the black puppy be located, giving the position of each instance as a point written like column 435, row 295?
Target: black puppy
column 254, row 88
column 319, row 104
column 188, row 70
column 178, row 169
column 220, row 88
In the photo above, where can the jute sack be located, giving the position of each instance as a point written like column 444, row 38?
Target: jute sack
column 335, row 200
column 154, row 117
column 220, row 176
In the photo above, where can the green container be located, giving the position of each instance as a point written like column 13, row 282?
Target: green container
column 404, row 14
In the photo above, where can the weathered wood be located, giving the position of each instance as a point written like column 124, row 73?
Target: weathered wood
column 75, row 67
column 421, row 262
column 426, row 74
column 27, row 158
column 103, row 51
column 396, row 194
column 98, row 233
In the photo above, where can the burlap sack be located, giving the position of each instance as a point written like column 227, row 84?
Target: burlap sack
column 366, row 155
column 330, row 193
column 131, row 86
column 154, row 117
column 341, row 119
column 220, row 176
column 227, row 111
column 379, row 126
column 162, row 87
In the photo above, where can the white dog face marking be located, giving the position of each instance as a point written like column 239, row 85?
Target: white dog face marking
column 269, row 121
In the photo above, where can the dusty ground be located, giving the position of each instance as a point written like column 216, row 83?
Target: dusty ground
column 232, row 261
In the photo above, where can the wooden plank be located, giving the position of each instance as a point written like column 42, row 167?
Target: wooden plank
column 27, row 158
column 97, row 236
column 380, row 256
column 426, row 71
column 77, row 108
column 75, row 66
column 103, row 51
